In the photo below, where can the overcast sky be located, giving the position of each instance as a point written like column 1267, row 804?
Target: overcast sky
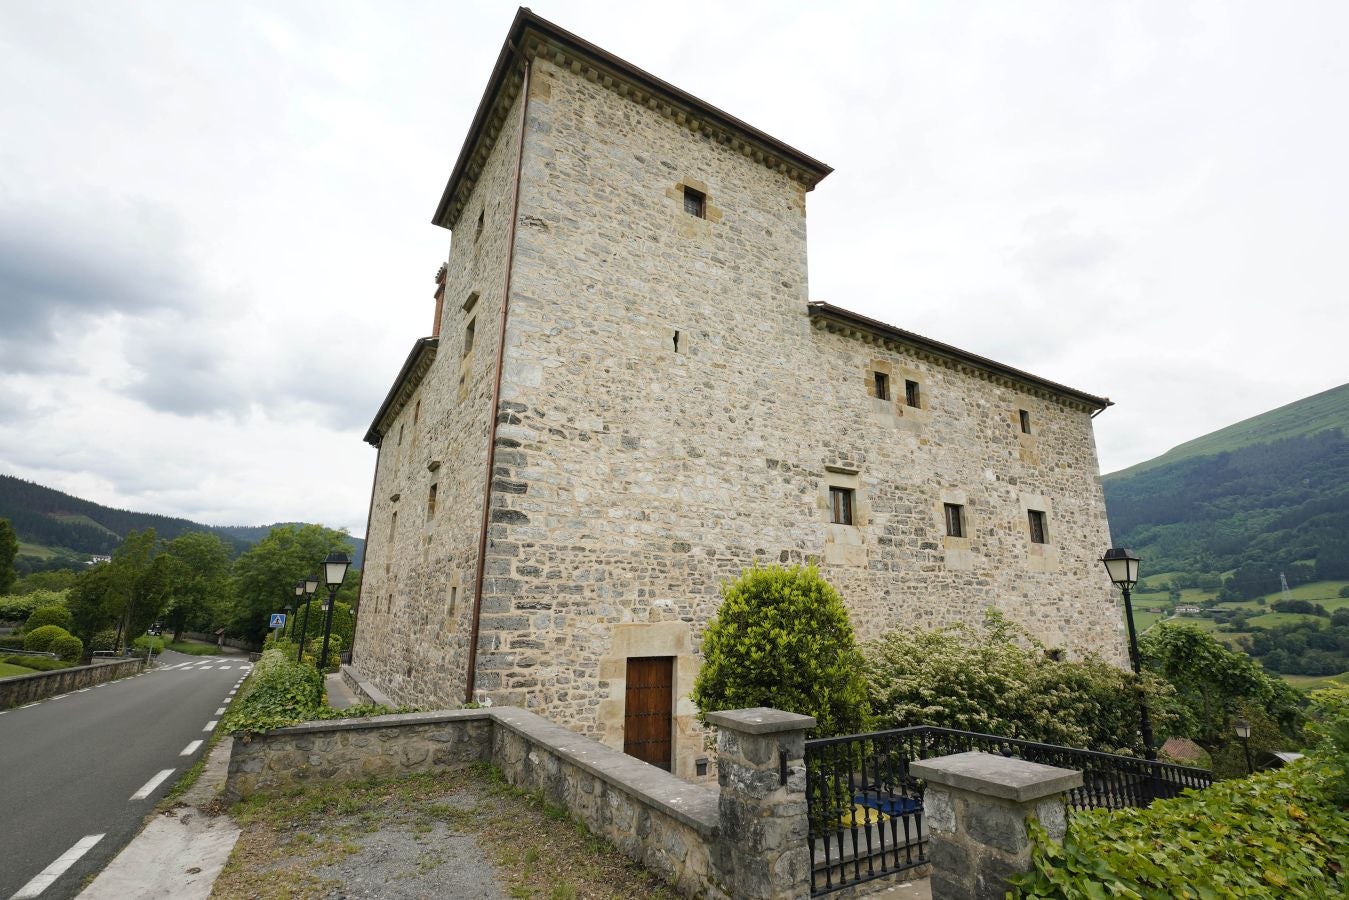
column 216, row 249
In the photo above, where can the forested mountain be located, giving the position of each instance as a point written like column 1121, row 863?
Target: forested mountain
column 70, row 529
column 1266, row 493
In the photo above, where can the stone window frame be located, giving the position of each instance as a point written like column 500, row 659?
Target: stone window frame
column 1041, row 557
column 848, row 479
column 957, row 551
column 913, row 393
column 842, row 501
column 695, row 202
column 1037, row 526
column 1023, row 419
column 431, row 501
column 712, row 214
column 955, row 520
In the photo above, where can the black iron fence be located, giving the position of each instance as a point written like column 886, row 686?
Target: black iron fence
column 866, row 810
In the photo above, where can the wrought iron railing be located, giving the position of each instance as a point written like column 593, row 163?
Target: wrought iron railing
column 866, row 810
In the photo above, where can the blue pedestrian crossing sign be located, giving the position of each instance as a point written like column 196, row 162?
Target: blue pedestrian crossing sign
column 278, row 620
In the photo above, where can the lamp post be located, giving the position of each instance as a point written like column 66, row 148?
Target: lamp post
column 334, row 573
column 299, row 595
column 1243, row 729
column 310, row 584
column 1123, row 568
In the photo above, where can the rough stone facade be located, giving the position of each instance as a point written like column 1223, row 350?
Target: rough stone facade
column 673, row 409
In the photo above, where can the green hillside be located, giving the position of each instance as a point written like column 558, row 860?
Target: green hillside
column 1319, row 412
column 1270, row 492
column 56, row 529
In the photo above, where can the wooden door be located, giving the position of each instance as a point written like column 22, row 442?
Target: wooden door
column 647, row 719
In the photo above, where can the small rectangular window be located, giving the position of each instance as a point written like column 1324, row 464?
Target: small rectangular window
column 393, row 525
column 882, row 386
column 840, row 501
column 1025, row 421
column 955, row 520
column 1037, row 527
column 477, row 232
column 468, row 336
column 912, row 396
column 431, row 503
column 695, row 203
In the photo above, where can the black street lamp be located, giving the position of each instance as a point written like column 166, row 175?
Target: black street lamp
column 334, row 573
column 1243, row 729
column 310, row 585
column 1123, row 568
column 290, row 610
column 299, row 595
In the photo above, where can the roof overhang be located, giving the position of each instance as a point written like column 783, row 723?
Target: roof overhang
column 405, row 385
column 531, row 37
column 842, row 321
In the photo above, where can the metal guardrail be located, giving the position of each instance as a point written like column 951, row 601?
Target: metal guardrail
column 866, row 810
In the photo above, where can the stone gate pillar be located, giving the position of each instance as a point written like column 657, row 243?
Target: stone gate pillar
column 762, row 830
column 974, row 810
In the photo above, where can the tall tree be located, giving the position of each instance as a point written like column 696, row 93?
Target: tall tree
column 9, row 548
column 265, row 574
column 200, row 566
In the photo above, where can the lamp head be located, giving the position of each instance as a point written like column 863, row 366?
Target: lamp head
column 335, row 569
column 311, row 584
column 1122, row 565
column 1243, row 729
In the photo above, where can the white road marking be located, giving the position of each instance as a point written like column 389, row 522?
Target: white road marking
column 30, row 705
column 43, row 879
column 202, row 668
column 211, row 724
column 220, row 711
column 223, row 668
column 150, row 785
column 190, row 748
column 59, row 697
column 81, row 690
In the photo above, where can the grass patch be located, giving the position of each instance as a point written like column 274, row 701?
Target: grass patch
column 1315, row 682
column 539, row 852
column 7, row 670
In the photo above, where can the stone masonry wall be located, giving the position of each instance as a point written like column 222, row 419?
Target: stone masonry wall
column 20, row 689
column 642, row 474
column 417, row 594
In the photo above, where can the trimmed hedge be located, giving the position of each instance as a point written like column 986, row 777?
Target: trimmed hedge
column 40, row 639
column 11, row 641
column 67, row 647
column 38, row 663
column 50, row 615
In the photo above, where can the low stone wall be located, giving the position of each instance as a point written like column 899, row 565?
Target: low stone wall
column 708, row 842
column 22, row 689
column 364, row 688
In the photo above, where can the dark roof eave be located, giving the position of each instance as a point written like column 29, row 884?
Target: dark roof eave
column 838, row 313
column 525, row 19
column 374, row 436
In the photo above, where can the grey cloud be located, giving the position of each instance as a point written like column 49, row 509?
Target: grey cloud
column 59, row 264
column 1055, row 249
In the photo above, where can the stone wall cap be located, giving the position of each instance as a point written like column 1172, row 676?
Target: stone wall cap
column 997, row 776
column 761, row 720
column 389, row 721
column 693, row 804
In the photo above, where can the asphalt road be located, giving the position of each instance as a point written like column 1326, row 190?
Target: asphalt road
column 70, row 765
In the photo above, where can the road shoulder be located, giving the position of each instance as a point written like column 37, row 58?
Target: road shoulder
column 181, row 851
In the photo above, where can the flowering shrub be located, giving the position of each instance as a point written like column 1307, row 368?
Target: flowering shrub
column 998, row 680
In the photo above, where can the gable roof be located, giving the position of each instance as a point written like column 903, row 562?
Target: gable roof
column 531, row 36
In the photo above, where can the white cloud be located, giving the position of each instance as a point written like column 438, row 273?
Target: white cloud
column 215, row 248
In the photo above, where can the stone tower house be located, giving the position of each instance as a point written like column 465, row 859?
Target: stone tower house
column 552, row 515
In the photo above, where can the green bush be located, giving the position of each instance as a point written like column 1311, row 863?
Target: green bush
column 18, row 607
column 1276, row 834
column 1330, row 726
column 49, row 615
column 278, row 692
column 38, row 663
column 11, row 641
column 103, row 640
column 996, row 679
column 782, row 638
column 67, row 647
column 40, row 639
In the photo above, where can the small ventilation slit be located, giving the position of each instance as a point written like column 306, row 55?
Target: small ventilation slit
column 676, row 342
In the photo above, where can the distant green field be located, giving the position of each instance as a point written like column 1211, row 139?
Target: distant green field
column 6, row 670
column 82, row 520
column 35, row 550
column 1315, row 682
column 1319, row 591
column 1269, row 620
